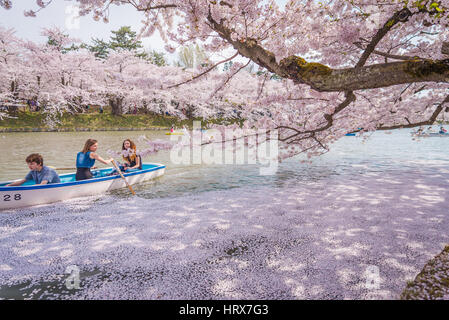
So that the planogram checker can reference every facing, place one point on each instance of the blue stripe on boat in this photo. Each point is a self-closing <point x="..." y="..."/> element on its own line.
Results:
<point x="93" y="180"/>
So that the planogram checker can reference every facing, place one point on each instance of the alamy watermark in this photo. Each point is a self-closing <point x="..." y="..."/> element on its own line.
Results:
<point x="73" y="280"/>
<point x="72" y="20"/>
<point x="231" y="146"/>
<point x="372" y="275"/>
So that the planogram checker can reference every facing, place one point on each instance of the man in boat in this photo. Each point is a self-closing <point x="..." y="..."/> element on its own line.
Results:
<point x="442" y="130"/>
<point x="39" y="173"/>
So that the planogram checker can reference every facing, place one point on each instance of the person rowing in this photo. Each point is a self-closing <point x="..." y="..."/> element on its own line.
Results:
<point x="85" y="160"/>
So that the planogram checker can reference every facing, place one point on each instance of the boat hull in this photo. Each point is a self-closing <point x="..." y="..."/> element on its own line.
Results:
<point x="31" y="195"/>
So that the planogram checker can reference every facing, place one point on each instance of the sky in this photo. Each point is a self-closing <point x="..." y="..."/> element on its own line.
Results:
<point x="60" y="13"/>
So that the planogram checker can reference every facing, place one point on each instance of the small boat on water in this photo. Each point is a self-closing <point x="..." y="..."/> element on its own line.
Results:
<point x="350" y="134"/>
<point x="30" y="194"/>
<point x="438" y="134"/>
<point x="430" y="134"/>
<point x="174" y="133"/>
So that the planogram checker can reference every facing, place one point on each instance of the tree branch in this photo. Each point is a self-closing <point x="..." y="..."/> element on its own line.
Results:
<point x="400" y="16"/>
<point x="203" y="73"/>
<point x="430" y="121"/>
<point x="388" y="55"/>
<point x="324" y="79"/>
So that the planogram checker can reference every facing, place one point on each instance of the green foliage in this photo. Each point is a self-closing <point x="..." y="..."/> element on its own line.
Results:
<point x="157" y="58"/>
<point x="434" y="8"/>
<point x="58" y="44"/>
<point x="26" y="119"/>
<point x="100" y="48"/>
<point x="29" y="120"/>
<point x="186" y="57"/>
<point x="125" y="39"/>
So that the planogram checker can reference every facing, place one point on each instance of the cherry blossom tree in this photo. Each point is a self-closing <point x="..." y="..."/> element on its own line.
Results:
<point x="343" y="65"/>
<point x="11" y="67"/>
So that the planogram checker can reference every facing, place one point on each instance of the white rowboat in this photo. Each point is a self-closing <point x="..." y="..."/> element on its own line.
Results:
<point x="30" y="194"/>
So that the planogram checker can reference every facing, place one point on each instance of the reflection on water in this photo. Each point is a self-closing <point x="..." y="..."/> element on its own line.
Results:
<point x="349" y="156"/>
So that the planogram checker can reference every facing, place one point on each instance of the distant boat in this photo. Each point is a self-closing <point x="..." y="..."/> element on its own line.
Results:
<point x="437" y="134"/>
<point x="30" y="194"/>
<point x="350" y="134"/>
<point x="430" y="134"/>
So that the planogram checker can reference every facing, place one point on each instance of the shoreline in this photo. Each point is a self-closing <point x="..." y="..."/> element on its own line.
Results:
<point x="8" y="130"/>
<point x="25" y="121"/>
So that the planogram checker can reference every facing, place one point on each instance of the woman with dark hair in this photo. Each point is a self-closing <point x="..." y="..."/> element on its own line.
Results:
<point x="130" y="156"/>
<point x="85" y="160"/>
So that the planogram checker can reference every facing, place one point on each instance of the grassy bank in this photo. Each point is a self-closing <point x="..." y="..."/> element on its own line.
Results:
<point x="31" y="120"/>
<point x="96" y="121"/>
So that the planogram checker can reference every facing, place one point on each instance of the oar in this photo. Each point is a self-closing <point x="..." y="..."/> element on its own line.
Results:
<point x="54" y="168"/>
<point x="123" y="177"/>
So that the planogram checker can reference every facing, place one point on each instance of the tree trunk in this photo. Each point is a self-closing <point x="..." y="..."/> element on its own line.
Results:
<point x="14" y="90"/>
<point x="445" y="48"/>
<point x="116" y="104"/>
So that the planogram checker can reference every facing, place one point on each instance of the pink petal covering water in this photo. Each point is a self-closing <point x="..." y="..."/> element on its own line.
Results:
<point x="313" y="240"/>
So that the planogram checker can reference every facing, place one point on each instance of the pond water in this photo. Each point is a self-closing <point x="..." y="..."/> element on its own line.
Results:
<point x="381" y="151"/>
<point x="349" y="159"/>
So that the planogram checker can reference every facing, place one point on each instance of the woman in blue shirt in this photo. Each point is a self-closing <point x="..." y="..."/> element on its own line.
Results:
<point x="86" y="160"/>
